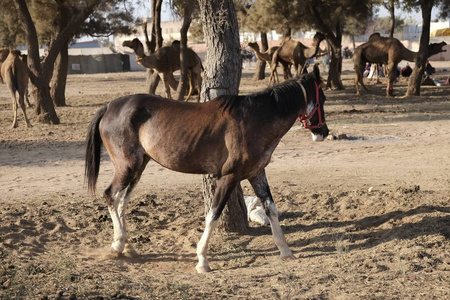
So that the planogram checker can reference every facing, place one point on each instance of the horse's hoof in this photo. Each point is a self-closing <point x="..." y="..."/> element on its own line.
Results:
<point x="117" y="247"/>
<point x="203" y="269"/>
<point x="129" y="251"/>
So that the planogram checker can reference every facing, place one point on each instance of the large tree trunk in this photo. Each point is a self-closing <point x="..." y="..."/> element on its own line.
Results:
<point x="59" y="79"/>
<point x="419" y="68"/>
<point x="222" y="76"/>
<point x="182" y="85"/>
<point x="260" y="72"/>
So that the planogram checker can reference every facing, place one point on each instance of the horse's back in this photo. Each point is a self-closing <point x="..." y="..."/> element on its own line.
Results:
<point x="173" y="133"/>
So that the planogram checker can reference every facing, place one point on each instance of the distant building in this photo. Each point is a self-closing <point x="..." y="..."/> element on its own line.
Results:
<point x="170" y="31"/>
<point x="89" y="48"/>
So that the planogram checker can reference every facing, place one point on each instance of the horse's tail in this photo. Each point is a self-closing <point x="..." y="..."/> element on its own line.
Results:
<point x="93" y="151"/>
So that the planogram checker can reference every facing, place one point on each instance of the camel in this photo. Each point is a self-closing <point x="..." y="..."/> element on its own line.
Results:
<point x="165" y="61"/>
<point x="3" y="55"/>
<point x="15" y="74"/>
<point x="295" y="53"/>
<point x="267" y="57"/>
<point x="388" y="51"/>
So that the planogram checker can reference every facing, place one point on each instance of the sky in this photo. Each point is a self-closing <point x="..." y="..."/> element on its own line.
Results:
<point x="415" y="16"/>
<point x="143" y="11"/>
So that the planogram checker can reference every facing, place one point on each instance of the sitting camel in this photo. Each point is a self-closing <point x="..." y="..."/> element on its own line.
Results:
<point x="295" y="53"/>
<point x="15" y="74"/>
<point x="267" y="57"/>
<point x="388" y="51"/>
<point x="165" y="61"/>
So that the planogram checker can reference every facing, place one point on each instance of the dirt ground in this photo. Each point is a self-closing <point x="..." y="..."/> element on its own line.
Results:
<point x="366" y="215"/>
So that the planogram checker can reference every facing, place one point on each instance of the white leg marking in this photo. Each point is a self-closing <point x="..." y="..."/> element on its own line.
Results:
<point x="202" y="246"/>
<point x="317" y="137"/>
<point x="277" y="232"/>
<point x="118" y="245"/>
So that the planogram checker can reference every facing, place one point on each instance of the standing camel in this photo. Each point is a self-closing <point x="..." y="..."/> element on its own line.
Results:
<point x="3" y="55"/>
<point x="267" y="57"/>
<point x="295" y="53"/>
<point x="387" y="51"/>
<point x="165" y="61"/>
<point x="15" y="74"/>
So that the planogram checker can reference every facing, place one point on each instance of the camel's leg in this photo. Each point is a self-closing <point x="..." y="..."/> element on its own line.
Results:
<point x="359" y="78"/>
<point x="225" y="186"/>
<point x="27" y="98"/>
<point x="172" y="82"/>
<point x="262" y="191"/>
<point x="378" y="73"/>
<point x="286" y="71"/>
<point x="14" y="105"/>
<point x="391" y="78"/>
<point x="191" y="83"/>
<point x="166" y="80"/>
<point x="273" y="79"/>
<point x="22" y="106"/>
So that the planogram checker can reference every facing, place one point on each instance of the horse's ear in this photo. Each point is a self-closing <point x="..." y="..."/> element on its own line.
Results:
<point x="316" y="71"/>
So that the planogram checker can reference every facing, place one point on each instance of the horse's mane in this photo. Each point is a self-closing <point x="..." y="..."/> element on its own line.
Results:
<point x="287" y="97"/>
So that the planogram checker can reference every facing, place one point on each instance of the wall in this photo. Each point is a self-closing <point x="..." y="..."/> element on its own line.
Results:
<point x="101" y="63"/>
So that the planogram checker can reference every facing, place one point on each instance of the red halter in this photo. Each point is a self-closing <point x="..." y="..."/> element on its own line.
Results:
<point x="304" y="118"/>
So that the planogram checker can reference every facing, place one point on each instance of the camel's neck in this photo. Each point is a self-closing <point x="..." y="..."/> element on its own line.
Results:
<point x="409" y="55"/>
<point x="311" y="52"/>
<point x="139" y="52"/>
<point x="145" y="61"/>
<point x="262" y="55"/>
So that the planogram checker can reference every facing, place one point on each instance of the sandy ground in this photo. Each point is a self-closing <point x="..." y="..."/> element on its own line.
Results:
<point x="367" y="215"/>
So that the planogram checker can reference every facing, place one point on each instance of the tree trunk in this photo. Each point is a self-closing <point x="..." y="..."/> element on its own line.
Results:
<point x="334" y="39"/>
<point x="419" y="67"/>
<point x="182" y="85"/>
<point x="41" y="74"/>
<point x="154" y="43"/>
<point x="59" y="79"/>
<point x="223" y="58"/>
<point x="156" y="20"/>
<point x="39" y="78"/>
<point x="392" y="18"/>
<point x="334" y="74"/>
<point x="260" y="72"/>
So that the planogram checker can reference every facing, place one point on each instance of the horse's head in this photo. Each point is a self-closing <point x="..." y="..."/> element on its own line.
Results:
<point x="313" y="117"/>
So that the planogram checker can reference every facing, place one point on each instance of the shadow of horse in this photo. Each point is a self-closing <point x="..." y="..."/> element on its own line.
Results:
<point x="364" y="233"/>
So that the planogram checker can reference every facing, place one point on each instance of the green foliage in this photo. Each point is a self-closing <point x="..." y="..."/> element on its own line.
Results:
<point x="384" y="24"/>
<point x="111" y="17"/>
<point x="50" y="17"/>
<point x="266" y="15"/>
<point x="11" y="31"/>
<point x="441" y="6"/>
<point x="280" y="15"/>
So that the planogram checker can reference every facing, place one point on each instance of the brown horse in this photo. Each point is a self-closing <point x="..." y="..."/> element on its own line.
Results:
<point x="231" y="137"/>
